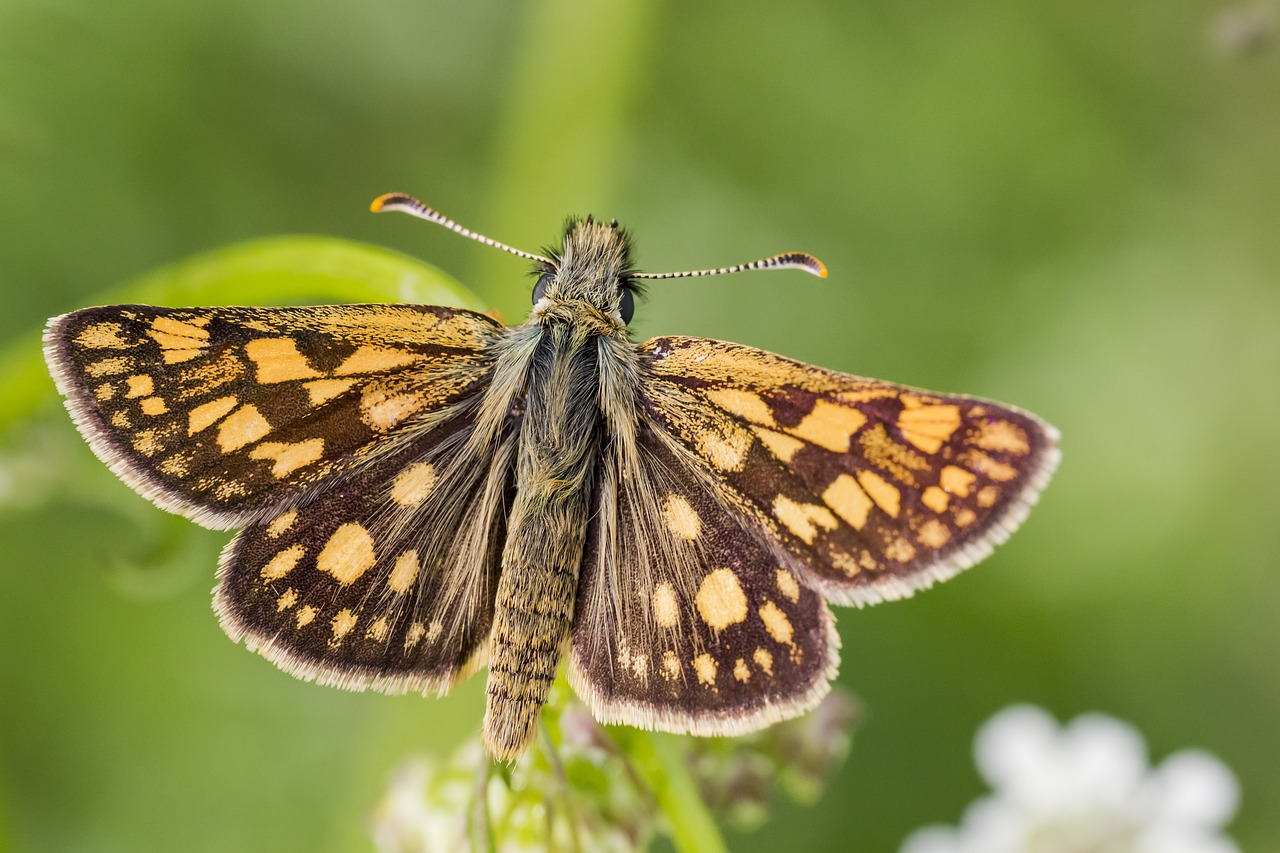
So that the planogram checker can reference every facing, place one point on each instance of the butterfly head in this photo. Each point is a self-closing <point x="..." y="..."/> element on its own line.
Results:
<point x="590" y="275"/>
<point x="592" y="268"/>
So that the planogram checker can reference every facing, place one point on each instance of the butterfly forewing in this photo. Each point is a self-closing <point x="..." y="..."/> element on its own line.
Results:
<point x="874" y="489"/>
<point x="225" y="414"/>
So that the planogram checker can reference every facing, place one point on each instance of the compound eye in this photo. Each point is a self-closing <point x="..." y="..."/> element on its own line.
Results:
<point x="540" y="289"/>
<point x="626" y="305"/>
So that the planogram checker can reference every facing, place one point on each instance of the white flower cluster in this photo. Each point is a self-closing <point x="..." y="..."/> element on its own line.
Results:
<point x="1086" y="788"/>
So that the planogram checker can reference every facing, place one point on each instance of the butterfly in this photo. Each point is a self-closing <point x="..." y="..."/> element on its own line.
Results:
<point x="421" y="491"/>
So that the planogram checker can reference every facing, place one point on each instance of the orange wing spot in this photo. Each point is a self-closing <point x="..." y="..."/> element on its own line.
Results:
<point x="783" y="447"/>
<point x="103" y="336"/>
<point x="278" y="360"/>
<point x="281" y="523"/>
<point x="829" y="425"/>
<point x="286" y="600"/>
<point x="957" y="481"/>
<point x="324" y="390"/>
<point x="880" y="490"/>
<point x="207" y="414"/>
<point x="243" y="426"/>
<point x="927" y="426"/>
<point x="371" y="359"/>
<point x="801" y="518"/>
<point x="725" y="447"/>
<point x="190" y="329"/>
<point x="987" y="495"/>
<point x="900" y="550"/>
<point x="848" y="501"/>
<point x="788" y="585"/>
<point x="1003" y="437"/>
<point x="745" y="404"/>
<point x="140" y="386"/>
<point x="289" y="457"/>
<point x="153" y="406"/>
<point x="935" y="499"/>
<point x="933" y="534"/>
<point x="764" y="660"/>
<point x="984" y="464"/>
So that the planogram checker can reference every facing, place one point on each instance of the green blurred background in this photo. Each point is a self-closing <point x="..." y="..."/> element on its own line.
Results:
<point x="1071" y="206"/>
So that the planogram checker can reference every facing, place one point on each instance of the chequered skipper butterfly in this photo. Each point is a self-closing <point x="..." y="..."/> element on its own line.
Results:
<point x="423" y="490"/>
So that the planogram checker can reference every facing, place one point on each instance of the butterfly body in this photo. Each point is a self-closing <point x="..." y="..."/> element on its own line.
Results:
<point x="421" y="490"/>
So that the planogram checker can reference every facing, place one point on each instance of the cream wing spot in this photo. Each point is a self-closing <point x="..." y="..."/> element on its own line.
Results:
<point x="348" y="554"/>
<point x="721" y="601"/>
<point x="404" y="573"/>
<point x="286" y="600"/>
<point x="342" y="624"/>
<point x="306" y="615"/>
<point x="788" y="585"/>
<point x="281" y="523"/>
<point x="377" y="630"/>
<point x="705" y="667"/>
<point x="927" y="426"/>
<point x="282" y="563"/>
<point x="414" y="635"/>
<point x="764" y="660"/>
<point x="741" y="671"/>
<point x="153" y="406"/>
<point x="371" y="359"/>
<point x="665" y="610"/>
<point x="414" y="484"/>
<point x="776" y="623"/>
<point x="933" y="534"/>
<point x="726" y="447"/>
<point x="671" y="669"/>
<point x="681" y="518"/>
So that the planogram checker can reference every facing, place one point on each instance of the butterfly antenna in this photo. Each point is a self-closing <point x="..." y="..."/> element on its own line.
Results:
<point x="787" y="260"/>
<point x="413" y="207"/>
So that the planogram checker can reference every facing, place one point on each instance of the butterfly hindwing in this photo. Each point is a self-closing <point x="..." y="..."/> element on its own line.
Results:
<point x="228" y="414"/>
<point x="686" y="621"/>
<point x="386" y="580"/>
<point x="874" y="489"/>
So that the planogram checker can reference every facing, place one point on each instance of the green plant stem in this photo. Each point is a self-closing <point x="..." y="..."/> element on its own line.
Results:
<point x="658" y="760"/>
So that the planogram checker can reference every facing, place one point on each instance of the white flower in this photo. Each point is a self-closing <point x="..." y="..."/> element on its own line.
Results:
<point x="1086" y="788"/>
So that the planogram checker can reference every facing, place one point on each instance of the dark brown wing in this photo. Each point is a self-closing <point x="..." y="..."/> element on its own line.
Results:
<point x="228" y="414"/>
<point x="874" y="490"/>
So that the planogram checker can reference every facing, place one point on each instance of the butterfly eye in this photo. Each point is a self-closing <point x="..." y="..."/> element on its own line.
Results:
<point x="540" y="289"/>
<point x="626" y="304"/>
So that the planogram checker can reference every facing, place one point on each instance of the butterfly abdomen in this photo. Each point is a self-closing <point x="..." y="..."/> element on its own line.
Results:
<point x="559" y="443"/>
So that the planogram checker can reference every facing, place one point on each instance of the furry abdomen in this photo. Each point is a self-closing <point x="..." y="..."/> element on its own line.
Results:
<point x="559" y="444"/>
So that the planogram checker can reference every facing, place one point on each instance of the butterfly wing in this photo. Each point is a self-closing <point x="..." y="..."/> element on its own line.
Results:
<point x="227" y="415"/>
<point x="343" y="440"/>
<point x="686" y="620"/>
<point x="874" y="490"/>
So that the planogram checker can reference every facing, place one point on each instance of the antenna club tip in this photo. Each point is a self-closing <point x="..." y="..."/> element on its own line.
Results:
<point x="385" y="199"/>
<point x="821" y="268"/>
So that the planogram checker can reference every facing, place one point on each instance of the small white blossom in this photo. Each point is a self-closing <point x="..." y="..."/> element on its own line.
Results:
<point x="1086" y="788"/>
